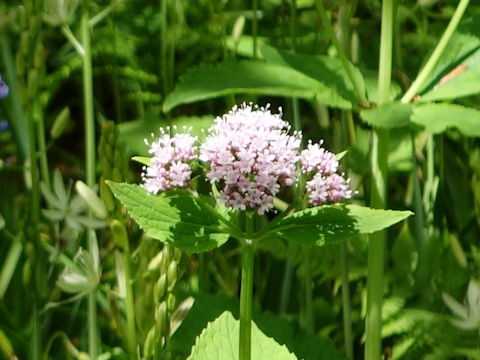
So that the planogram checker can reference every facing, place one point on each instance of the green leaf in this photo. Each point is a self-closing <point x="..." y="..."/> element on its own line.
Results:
<point x="219" y="341"/>
<point x="252" y="77"/>
<point x="387" y="116"/>
<point x="178" y="218"/>
<point x="327" y="70"/>
<point x="458" y="72"/>
<point x="329" y="224"/>
<point x="437" y="118"/>
<point x="207" y="307"/>
<point x="144" y="160"/>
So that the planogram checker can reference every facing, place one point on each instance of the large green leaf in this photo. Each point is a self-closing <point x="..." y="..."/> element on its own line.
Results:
<point x="388" y="116"/>
<point x="329" y="71"/>
<point x="219" y="341"/>
<point x="437" y="118"/>
<point x="208" y="307"/>
<point x="458" y="72"/>
<point x="251" y="77"/>
<point x="329" y="224"/>
<point x="178" y="218"/>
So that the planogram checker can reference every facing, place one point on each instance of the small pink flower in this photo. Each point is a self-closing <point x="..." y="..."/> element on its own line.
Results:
<point x="326" y="185"/>
<point x="315" y="158"/>
<point x="330" y="188"/>
<point x="251" y="155"/>
<point x="169" y="165"/>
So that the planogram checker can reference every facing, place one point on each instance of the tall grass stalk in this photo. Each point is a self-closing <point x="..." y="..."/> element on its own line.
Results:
<point x="164" y="45"/>
<point x="427" y="70"/>
<point x="378" y="199"/>
<point x="89" y="119"/>
<point x="255" y="27"/>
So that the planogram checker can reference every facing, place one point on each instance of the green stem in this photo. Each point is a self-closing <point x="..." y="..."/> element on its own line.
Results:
<point x="9" y="265"/>
<point x="73" y="40"/>
<point x="308" y="315"/>
<point x="347" y="308"/>
<point x="437" y="53"/>
<point x="19" y="122"/>
<point x="129" y="303"/>
<point x="42" y="148"/>
<point x="90" y="160"/>
<point x="361" y="97"/>
<point x="35" y="203"/>
<point x="255" y="27"/>
<point x="246" y="292"/>
<point x="163" y="47"/>
<point x="380" y="140"/>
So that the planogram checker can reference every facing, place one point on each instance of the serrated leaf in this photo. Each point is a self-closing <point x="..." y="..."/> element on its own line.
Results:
<point x="180" y="219"/>
<point x="330" y="224"/>
<point x="219" y="341"/>
<point x="388" y="116"/>
<point x="437" y="118"/>
<point x="251" y="77"/>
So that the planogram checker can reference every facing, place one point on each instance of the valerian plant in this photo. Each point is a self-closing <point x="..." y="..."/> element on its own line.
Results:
<point x="248" y="157"/>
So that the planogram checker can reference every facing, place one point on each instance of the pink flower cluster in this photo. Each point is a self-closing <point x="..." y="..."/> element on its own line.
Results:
<point x="169" y="166"/>
<point x="326" y="185"/>
<point x="251" y="155"/>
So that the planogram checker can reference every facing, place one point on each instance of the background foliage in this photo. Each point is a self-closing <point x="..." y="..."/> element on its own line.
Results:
<point x="183" y="63"/>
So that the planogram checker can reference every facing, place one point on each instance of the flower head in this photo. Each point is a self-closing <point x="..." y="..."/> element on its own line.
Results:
<point x="251" y="155"/>
<point x="325" y="185"/>
<point x="331" y="188"/>
<point x="169" y="166"/>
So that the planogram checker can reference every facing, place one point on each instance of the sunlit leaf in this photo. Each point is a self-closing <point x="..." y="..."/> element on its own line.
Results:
<point x="329" y="224"/>
<point x="219" y="341"/>
<point x="180" y="219"/>
<point x="388" y="116"/>
<point x="437" y="118"/>
<point x="252" y="77"/>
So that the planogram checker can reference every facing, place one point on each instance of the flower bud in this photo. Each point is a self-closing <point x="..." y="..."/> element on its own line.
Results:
<point x="107" y="197"/>
<point x="60" y="124"/>
<point x="155" y="263"/>
<point x="27" y="274"/>
<point x="92" y="200"/>
<point x="160" y="287"/>
<point x="150" y="342"/>
<point x="171" y="302"/>
<point x="161" y="318"/>
<point x="172" y="275"/>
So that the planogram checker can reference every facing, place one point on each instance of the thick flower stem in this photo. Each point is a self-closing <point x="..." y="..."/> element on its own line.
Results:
<point x="90" y="160"/>
<point x="246" y="292"/>
<point x="380" y="140"/>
